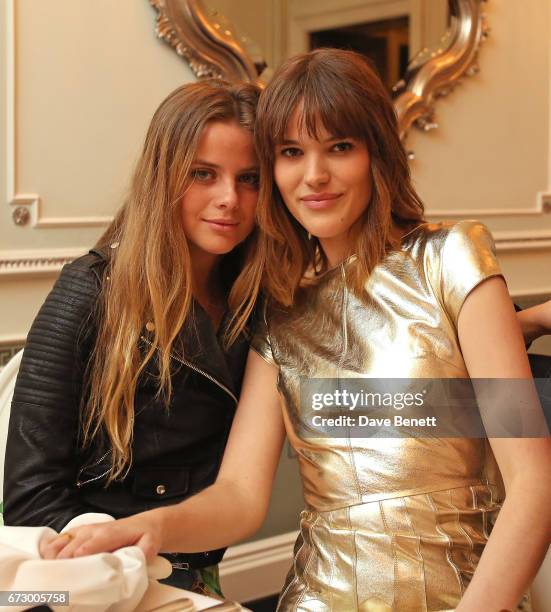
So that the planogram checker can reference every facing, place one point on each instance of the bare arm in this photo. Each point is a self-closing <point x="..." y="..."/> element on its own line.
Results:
<point x="492" y="346"/>
<point x="236" y="505"/>
<point x="226" y="512"/>
<point x="535" y="321"/>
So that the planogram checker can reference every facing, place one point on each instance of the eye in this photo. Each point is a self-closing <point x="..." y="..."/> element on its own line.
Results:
<point x="250" y="178"/>
<point x="341" y="147"/>
<point x="202" y="174"/>
<point x="290" y="152"/>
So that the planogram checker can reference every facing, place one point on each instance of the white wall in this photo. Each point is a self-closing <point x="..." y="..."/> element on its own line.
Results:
<point x="81" y="81"/>
<point x="490" y="158"/>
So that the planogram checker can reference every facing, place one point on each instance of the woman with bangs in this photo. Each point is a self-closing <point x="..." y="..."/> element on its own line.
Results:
<point x="357" y="284"/>
<point x="132" y="368"/>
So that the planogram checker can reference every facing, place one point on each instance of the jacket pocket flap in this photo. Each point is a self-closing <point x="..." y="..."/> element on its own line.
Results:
<point x="161" y="482"/>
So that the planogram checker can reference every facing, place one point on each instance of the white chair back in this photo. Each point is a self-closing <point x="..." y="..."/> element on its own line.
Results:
<point x="7" y="384"/>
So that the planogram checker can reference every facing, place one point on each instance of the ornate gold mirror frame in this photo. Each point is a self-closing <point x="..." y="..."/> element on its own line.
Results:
<point x="212" y="49"/>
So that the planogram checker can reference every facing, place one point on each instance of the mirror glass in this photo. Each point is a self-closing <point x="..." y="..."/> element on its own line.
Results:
<point x="390" y="36"/>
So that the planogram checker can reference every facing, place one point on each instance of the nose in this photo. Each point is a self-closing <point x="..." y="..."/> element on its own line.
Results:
<point x="316" y="172"/>
<point x="227" y="198"/>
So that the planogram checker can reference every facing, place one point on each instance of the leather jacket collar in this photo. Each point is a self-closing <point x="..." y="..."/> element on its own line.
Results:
<point x="198" y="346"/>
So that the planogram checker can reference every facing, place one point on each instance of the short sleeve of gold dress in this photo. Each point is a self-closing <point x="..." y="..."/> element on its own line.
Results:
<point x="391" y="524"/>
<point x="261" y="342"/>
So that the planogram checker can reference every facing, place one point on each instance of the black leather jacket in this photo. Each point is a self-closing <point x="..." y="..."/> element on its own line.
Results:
<point x="48" y="480"/>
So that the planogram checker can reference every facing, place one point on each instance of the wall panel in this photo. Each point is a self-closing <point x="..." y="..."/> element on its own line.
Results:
<point x="79" y="83"/>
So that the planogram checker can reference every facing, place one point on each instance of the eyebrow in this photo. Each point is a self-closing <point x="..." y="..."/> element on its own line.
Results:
<point x="330" y="139"/>
<point x="203" y="162"/>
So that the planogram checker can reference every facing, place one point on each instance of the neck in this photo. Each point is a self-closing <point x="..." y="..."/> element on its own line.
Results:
<point x="336" y="250"/>
<point x="204" y="269"/>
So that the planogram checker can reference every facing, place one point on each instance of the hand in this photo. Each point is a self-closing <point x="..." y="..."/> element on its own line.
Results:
<point x="142" y="530"/>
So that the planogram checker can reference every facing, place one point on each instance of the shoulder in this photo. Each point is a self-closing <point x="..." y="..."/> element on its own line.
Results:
<point x="460" y="244"/>
<point x="439" y="239"/>
<point x="80" y="281"/>
<point x="468" y="231"/>
<point x="94" y="261"/>
<point x="457" y="258"/>
<point x="437" y="234"/>
<point x="68" y="309"/>
<point x="89" y="267"/>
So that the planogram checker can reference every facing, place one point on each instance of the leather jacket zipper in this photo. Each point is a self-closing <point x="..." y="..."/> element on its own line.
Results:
<point x="198" y="370"/>
<point x="79" y="483"/>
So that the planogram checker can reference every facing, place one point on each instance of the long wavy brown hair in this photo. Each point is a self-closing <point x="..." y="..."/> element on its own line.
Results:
<point x="149" y="277"/>
<point x="341" y="91"/>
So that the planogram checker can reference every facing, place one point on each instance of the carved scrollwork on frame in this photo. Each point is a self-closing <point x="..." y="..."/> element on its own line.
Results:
<point x="212" y="49"/>
<point x="436" y="71"/>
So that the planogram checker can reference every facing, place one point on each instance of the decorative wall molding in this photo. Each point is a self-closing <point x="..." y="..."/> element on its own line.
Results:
<point x="39" y="221"/>
<point x="49" y="262"/>
<point x="7" y="351"/>
<point x="8" y="340"/>
<point x="257" y="569"/>
<point x="30" y="201"/>
<point x="36" y="262"/>
<point x="509" y="240"/>
<point x="522" y="240"/>
<point x="476" y="213"/>
<point x="531" y="297"/>
<point x="542" y="207"/>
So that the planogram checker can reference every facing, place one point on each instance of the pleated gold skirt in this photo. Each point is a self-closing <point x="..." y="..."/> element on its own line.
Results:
<point x="407" y="554"/>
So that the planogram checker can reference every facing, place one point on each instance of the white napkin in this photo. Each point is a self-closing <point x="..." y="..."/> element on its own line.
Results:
<point x="110" y="582"/>
<point x="106" y="582"/>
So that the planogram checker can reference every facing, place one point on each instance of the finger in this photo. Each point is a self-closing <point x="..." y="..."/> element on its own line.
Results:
<point x="50" y="549"/>
<point x="75" y="541"/>
<point x="45" y="541"/>
<point x="148" y="547"/>
<point x="106" y="539"/>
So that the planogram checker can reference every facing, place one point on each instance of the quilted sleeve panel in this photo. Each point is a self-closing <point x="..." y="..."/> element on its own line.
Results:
<point x="42" y="448"/>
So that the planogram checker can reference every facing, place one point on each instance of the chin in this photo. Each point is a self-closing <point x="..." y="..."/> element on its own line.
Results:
<point x="324" y="232"/>
<point x="220" y="248"/>
<point x="321" y="226"/>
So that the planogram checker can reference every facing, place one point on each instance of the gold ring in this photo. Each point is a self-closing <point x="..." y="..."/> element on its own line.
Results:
<point x="68" y="535"/>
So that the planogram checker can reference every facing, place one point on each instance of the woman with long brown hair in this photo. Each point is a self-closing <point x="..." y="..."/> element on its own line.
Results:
<point x="357" y="284"/>
<point x="132" y="368"/>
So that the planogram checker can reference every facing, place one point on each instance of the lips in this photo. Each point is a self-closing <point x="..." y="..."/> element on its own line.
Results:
<point x="222" y="225"/>
<point x="317" y="201"/>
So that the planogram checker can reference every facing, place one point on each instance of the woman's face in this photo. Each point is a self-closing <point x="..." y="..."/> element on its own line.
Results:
<point x="325" y="183"/>
<point x="218" y="208"/>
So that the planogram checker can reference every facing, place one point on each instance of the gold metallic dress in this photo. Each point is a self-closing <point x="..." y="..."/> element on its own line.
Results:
<point x="394" y="524"/>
